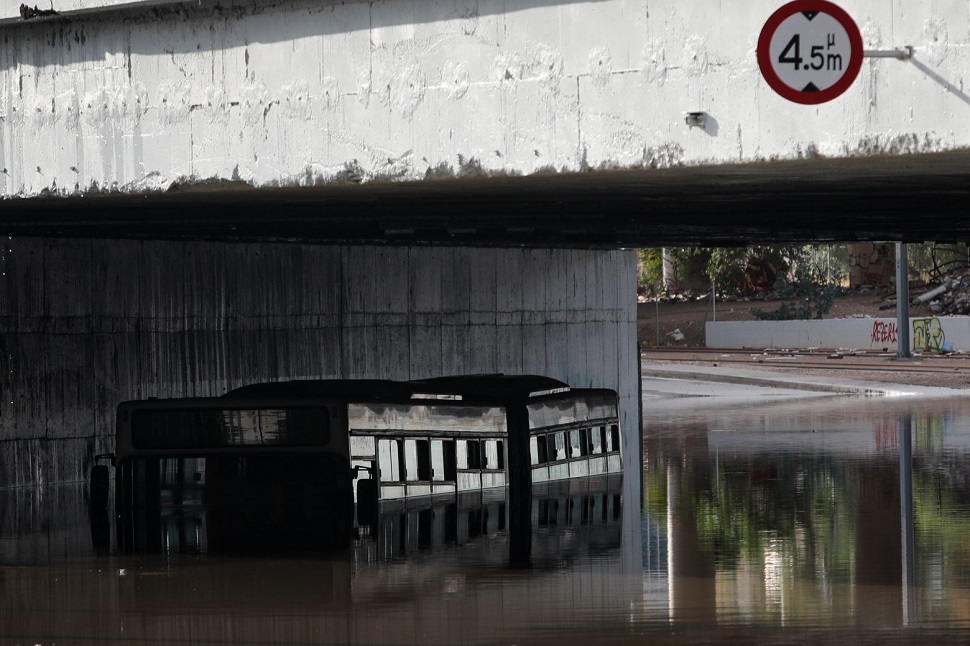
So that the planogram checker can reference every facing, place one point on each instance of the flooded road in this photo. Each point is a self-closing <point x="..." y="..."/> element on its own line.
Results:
<point x="769" y="518"/>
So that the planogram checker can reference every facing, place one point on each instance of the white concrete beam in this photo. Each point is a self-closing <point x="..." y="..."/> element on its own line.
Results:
<point x="298" y="92"/>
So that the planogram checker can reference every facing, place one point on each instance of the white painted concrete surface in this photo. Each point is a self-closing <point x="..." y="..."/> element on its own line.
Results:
<point x="297" y="91"/>
<point x="926" y="333"/>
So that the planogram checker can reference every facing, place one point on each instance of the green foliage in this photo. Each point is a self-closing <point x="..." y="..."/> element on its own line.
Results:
<point x="650" y="279"/>
<point x="803" y="298"/>
<point x="725" y="267"/>
<point x="828" y="263"/>
<point x="692" y="263"/>
<point x="698" y="267"/>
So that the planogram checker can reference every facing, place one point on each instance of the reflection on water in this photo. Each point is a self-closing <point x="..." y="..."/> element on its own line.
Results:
<point x="768" y="523"/>
<point x="436" y="571"/>
<point x="790" y="516"/>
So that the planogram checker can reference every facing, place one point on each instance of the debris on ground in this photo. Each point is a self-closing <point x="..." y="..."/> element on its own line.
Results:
<point x="676" y="335"/>
<point x="950" y="297"/>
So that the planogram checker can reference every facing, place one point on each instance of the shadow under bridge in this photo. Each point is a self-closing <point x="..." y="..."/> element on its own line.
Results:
<point x="888" y="198"/>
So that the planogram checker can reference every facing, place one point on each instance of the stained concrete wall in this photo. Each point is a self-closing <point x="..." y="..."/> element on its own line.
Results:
<point x="930" y="333"/>
<point x="86" y="324"/>
<point x="301" y="91"/>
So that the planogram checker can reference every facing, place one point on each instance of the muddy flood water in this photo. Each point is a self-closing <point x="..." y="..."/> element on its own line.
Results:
<point x="773" y="520"/>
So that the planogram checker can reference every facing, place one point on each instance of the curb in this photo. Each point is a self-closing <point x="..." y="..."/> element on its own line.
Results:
<point x="700" y="375"/>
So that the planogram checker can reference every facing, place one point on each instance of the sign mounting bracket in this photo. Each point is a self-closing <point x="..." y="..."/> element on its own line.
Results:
<point x="902" y="53"/>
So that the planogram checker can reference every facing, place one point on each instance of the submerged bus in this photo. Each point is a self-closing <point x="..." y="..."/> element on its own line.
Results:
<point x="314" y="452"/>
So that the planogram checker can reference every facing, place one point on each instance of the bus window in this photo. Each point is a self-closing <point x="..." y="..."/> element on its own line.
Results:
<point x="461" y="453"/>
<point x="361" y="446"/>
<point x="539" y="449"/>
<point x="437" y="461"/>
<point x="493" y="449"/>
<point x="208" y="428"/>
<point x="410" y="461"/>
<point x="390" y="463"/>
<point x="577" y="444"/>
<point x="443" y="465"/>
<point x="424" y="460"/>
<point x="451" y="466"/>
<point x="596" y="440"/>
<point x="613" y="439"/>
<point x="414" y="461"/>
<point x="558" y="448"/>
<point x="474" y="454"/>
<point x="501" y="454"/>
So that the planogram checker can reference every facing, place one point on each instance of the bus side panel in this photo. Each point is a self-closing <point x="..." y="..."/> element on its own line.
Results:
<point x="469" y="480"/>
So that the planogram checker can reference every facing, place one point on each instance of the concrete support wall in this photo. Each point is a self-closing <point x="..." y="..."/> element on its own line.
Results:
<point x="86" y="324"/>
<point x="301" y="91"/>
<point x="930" y="334"/>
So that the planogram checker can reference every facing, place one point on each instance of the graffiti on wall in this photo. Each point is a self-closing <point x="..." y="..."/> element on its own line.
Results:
<point x="928" y="334"/>
<point x="871" y="263"/>
<point x="883" y="332"/>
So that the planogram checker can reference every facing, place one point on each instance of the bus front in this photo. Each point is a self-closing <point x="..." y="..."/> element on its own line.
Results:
<point x="211" y="474"/>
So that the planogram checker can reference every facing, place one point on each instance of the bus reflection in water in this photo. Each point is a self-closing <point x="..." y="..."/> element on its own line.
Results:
<point x="567" y="519"/>
<point x="401" y="466"/>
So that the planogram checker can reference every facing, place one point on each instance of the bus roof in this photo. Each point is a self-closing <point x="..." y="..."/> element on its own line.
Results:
<point x="471" y="387"/>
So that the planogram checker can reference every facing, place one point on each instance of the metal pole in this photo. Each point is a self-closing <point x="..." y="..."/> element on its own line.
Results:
<point x="714" y="298"/>
<point x="906" y="518"/>
<point x="657" y="319"/>
<point x="902" y="302"/>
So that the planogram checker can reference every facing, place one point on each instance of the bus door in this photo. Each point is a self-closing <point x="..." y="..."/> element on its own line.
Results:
<point x="363" y="466"/>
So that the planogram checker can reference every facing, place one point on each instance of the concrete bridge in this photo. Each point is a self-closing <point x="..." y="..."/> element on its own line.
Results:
<point x="208" y="193"/>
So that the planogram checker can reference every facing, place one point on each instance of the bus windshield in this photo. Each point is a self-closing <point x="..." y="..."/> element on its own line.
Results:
<point x="208" y="428"/>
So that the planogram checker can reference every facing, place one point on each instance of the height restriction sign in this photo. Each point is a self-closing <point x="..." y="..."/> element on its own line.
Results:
<point x="810" y="51"/>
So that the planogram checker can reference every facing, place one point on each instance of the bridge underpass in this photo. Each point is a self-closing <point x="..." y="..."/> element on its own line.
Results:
<point x="206" y="287"/>
<point x="909" y="198"/>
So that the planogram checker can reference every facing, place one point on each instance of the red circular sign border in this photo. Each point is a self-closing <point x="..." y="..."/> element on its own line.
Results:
<point x="855" y="51"/>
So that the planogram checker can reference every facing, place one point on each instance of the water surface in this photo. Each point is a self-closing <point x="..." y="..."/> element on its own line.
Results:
<point x="762" y="520"/>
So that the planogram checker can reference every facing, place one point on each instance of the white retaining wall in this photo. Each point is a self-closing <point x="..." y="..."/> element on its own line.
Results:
<point x="930" y="333"/>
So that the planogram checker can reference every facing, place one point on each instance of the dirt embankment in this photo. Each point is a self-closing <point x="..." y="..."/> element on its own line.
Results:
<point x="657" y="323"/>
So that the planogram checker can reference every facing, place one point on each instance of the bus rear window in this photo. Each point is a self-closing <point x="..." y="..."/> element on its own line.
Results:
<point x="206" y="428"/>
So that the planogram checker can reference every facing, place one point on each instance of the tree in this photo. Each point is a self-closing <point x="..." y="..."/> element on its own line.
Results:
<point x="804" y="297"/>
